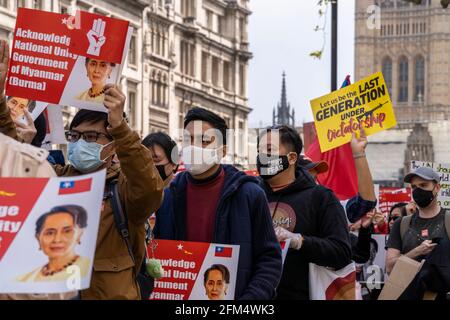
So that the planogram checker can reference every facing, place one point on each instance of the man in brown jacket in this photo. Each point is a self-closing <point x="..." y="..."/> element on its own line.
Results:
<point x="95" y="138"/>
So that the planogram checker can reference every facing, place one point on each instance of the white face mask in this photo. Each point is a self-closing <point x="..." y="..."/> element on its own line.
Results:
<point x="199" y="160"/>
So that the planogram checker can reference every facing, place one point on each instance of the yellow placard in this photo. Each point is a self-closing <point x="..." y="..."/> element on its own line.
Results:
<point x="362" y="105"/>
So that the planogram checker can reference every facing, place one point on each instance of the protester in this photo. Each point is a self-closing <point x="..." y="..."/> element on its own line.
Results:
<point x="20" y="160"/>
<point x="94" y="139"/>
<point x="397" y="211"/>
<point x="211" y="202"/>
<point x="417" y="235"/>
<point x="360" y="235"/>
<point x="302" y="211"/>
<point x="165" y="154"/>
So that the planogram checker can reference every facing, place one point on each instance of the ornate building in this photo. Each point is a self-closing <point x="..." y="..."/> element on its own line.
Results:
<point x="282" y="114"/>
<point x="411" y="49"/>
<point x="184" y="53"/>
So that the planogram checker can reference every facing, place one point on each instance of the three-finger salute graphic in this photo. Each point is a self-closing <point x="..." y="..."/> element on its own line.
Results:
<point x="96" y="37"/>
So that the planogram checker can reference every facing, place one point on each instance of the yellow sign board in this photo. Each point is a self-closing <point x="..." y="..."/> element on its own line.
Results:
<point x="363" y="105"/>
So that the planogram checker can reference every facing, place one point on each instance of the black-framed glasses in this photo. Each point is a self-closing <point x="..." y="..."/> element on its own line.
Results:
<point x="88" y="136"/>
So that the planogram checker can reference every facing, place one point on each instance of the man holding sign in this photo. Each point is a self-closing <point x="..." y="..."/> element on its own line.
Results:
<point x="95" y="138"/>
<point x="217" y="203"/>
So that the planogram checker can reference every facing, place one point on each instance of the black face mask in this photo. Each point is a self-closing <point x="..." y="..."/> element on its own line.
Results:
<point x="162" y="171"/>
<point x="423" y="198"/>
<point x="272" y="167"/>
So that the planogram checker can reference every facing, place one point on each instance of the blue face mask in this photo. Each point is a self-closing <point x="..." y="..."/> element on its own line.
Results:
<point x="85" y="156"/>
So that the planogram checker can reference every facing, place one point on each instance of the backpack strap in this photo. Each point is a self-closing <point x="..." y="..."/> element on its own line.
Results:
<point x="447" y="222"/>
<point x="404" y="225"/>
<point x="119" y="215"/>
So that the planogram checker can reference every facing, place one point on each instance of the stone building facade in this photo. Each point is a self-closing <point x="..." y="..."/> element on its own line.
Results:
<point x="411" y="48"/>
<point x="183" y="53"/>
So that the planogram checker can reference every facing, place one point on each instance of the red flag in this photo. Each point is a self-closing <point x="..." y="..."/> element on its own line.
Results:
<point x="225" y="252"/>
<point x="341" y="176"/>
<point x="75" y="186"/>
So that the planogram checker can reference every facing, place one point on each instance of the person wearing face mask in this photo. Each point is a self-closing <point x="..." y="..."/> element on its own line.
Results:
<point x="215" y="203"/>
<point x="306" y="213"/>
<point x="417" y="235"/>
<point x="96" y="139"/>
<point x="165" y="154"/>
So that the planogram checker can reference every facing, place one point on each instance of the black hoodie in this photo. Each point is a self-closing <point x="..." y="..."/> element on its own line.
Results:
<point x="313" y="211"/>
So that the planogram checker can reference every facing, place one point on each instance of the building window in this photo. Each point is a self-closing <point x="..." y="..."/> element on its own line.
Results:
<point x="226" y="76"/>
<point x="220" y="25"/>
<point x="209" y="19"/>
<point x="188" y="8"/>
<point x="159" y="89"/>
<point x="387" y="73"/>
<point x="132" y="103"/>
<point x="215" y="71"/>
<point x="419" y="79"/>
<point x="403" y="80"/>
<point x="242" y="31"/>
<point x="132" y="53"/>
<point x="187" y="60"/>
<point x="241" y="139"/>
<point x="242" y="77"/>
<point x="37" y="4"/>
<point x="20" y="4"/>
<point x="205" y="63"/>
<point x="64" y="9"/>
<point x="4" y="3"/>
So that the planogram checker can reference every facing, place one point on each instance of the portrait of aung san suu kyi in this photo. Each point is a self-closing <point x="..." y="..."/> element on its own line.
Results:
<point x="58" y="233"/>
<point x="98" y="72"/>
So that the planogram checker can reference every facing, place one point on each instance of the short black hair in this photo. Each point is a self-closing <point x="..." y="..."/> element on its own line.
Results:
<point x="213" y="119"/>
<point x="288" y="137"/>
<point x="41" y="130"/>
<point x="79" y="215"/>
<point x="90" y="117"/>
<point x="399" y="205"/>
<point x="219" y="267"/>
<point x="165" y="142"/>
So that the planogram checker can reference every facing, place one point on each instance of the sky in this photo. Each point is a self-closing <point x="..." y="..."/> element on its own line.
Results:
<point x="281" y="38"/>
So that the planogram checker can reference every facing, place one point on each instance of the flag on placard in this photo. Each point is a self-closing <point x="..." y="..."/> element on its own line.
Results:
<point x="225" y="252"/>
<point x="75" y="186"/>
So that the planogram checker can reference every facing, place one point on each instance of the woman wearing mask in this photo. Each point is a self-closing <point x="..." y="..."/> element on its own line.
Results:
<point x="165" y="157"/>
<point x="165" y="154"/>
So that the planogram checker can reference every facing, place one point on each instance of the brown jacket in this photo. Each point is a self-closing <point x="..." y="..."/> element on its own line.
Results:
<point x="141" y="189"/>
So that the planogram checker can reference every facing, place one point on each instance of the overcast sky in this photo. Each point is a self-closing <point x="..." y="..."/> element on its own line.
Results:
<point x="281" y="35"/>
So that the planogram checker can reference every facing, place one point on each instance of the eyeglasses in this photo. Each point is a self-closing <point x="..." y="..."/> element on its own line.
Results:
<point x="88" y="136"/>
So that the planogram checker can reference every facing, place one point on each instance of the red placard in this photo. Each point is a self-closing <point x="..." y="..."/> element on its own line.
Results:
<point x="391" y="196"/>
<point x="40" y="62"/>
<point x="15" y="206"/>
<point x="99" y="37"/>
<point x="49" y="57"/>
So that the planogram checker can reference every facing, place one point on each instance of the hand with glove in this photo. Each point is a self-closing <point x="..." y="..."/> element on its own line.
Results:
<point x="296" y="238"/>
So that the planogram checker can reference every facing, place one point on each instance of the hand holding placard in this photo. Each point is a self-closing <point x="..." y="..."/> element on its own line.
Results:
<point x="359" y="144"/>
<point x="115" y="103"/>
<point x="4" y="59"/>
<point x="96" y="37"/>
